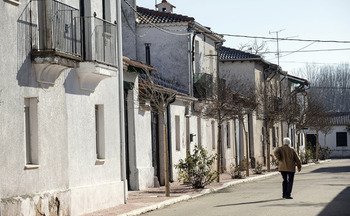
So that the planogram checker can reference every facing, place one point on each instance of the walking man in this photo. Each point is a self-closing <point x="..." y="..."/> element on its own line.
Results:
<point x="288" y="159"/>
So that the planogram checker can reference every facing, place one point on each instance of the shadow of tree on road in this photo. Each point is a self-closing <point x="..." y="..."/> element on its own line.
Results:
<point x="248" y="203"/>
<point x="332" y="169"/>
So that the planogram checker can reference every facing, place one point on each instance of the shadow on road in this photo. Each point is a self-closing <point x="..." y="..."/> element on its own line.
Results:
<point x="332" y="169"/>
<point x="248" y="203"/>
<point x="339" y="206"/>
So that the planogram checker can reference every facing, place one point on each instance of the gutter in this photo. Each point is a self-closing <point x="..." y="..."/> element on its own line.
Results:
<point x="209" y="33"/>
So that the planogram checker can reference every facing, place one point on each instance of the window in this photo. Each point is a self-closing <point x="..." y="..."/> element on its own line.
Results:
<point x="148" y="53"/>
<point x="213" y="134"/>
<point x="100" y="136"/>
<point x="199" y="131"/>
<point x="196" y="57"/>
<point x="14" y="2"/>
<point x="211" y="62"/>
<point x="273" y="136"/>
<point x="177" y="132"/>
<point x="342" y="139"/>
<point x="31" y="130"/>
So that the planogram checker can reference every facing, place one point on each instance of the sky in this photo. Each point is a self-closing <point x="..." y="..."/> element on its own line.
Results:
<point x="323" y="20"/>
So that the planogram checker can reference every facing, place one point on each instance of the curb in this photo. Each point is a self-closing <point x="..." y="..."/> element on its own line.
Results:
<point x="188" y="197"/>
<point x="206" y="191"/>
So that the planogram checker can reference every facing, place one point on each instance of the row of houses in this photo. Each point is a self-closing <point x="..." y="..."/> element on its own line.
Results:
<point x="75" y="134"/>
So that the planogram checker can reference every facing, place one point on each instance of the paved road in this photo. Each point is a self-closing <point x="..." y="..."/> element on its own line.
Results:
<point x="322" y="189"/>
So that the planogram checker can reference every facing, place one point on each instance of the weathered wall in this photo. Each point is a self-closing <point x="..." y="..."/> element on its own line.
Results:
<point x="67" y="179"/>
<point x="331" y="142"/>
<point x="169" y="53"/>
<point x="18" y="82"/>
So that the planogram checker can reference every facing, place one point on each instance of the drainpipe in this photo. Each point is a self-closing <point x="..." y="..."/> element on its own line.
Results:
<point x="191" y="57"/>
<point x="121" y="98"/>
<point x="282" y="134"/>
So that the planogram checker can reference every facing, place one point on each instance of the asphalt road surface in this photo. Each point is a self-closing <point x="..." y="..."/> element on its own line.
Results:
<point x="321" y="189"/>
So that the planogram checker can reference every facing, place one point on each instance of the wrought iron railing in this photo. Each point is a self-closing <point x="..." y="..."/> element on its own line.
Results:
<point x="100" y="40"/>
<point x="203" y="85"/>
<point x="66" y="29"/>
<point x="54" y="27"/>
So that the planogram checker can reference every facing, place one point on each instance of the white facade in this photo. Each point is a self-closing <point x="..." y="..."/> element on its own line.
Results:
<point x="338" y="151"/>
<point x="49" y="120"/>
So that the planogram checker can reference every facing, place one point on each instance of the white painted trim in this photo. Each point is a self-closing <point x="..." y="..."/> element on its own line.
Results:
<point x="15" y="2"/>
<point x="31" y="166"/>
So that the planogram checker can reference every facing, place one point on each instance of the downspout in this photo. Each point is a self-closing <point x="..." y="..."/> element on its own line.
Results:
<point x="281" y="119"/>
<point x="191" y="57"/>
<point x="121" y="99"/>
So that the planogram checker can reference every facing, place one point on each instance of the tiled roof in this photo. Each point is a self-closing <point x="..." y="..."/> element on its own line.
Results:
<point x="153" y="16"/>
<point x="233" y="54"/>
<point x="342" y="118"/>
<point x="298" y="80"/>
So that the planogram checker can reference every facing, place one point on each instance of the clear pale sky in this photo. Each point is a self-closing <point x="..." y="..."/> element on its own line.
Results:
<point x="298" y="19"/>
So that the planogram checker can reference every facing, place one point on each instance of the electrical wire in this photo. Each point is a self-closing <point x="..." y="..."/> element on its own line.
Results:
<point x="155" y="26"/>
<point x="286" y="39"/>
<point x="294" y="51"/>
<point x="318" y="50"/>
<point x="130" y="27"/>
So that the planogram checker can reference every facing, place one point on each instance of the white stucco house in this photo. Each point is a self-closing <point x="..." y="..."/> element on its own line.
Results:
<point x="184" y="52"/>
<point x="337" y="139"/>
<point x="253" y="72"/>
<point x="62" y="136"/>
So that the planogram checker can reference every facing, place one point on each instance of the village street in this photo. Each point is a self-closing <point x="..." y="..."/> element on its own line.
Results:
<point x="323" y="189"/>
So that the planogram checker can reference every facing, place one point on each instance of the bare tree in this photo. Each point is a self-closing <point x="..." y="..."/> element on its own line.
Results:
<point x="270" y="107"/>
<point x="331" y="84"/>
<point x="151" y="89"/>
<point x="219" y="108"/>
<point x="255" y="47"/>
<point x="316" y="118"/>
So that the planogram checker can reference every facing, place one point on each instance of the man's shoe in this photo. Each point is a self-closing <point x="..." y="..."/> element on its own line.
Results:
<point x="288" y="197"/>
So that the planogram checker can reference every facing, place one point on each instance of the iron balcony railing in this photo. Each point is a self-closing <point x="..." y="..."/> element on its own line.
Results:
<point x="100" y="40"/>
<point x="59" y="28"/>
<point x="203" y="85"/>
<point x="66" y="28"/>
<point x="54" y="27"/>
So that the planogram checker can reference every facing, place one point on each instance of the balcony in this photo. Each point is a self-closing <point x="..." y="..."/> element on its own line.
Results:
<point x="203" y="85"/>
<point x="100" y="52"/>
<point x="61" y="39"/>
<point x="56" y="39"/>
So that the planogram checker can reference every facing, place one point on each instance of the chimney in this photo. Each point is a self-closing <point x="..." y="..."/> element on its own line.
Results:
<point x="165" y="6"/>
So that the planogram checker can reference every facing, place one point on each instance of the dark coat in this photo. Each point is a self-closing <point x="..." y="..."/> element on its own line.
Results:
<point x="287" y="158"/>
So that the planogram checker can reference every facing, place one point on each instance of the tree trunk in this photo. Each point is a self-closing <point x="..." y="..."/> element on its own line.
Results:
<point x="298" y="143"/>
<point x="247" y="153"/>
<point x="236" y="149"/>
<point x="316" y="146"/>
<point x="219" y="153"/>
<point x="268" y="149"/>
<point x="166" y="163"/>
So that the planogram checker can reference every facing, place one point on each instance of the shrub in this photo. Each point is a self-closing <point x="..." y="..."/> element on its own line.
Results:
<point x="236" y="172"/>
<point x="305" y="156"/>
<point x="324" y="152"/>
<point x="274" y="161"/>
<point x="196" y="169"/>
<point x="258" y="168"/>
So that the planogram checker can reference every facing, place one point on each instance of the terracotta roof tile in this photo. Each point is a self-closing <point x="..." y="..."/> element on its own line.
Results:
<point x="153" y="16"/>
<point x="233" y="54"/>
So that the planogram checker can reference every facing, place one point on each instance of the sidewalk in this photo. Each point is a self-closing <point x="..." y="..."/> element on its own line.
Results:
<point x="154" y="198"/>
